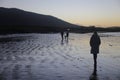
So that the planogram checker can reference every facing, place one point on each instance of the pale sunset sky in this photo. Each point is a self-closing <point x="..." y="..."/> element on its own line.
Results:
<point x="82" y="12"/>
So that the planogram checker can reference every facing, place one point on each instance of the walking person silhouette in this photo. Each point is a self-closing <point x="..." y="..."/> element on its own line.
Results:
<point x="62" y="36"/>
<point x="95" y="43"/>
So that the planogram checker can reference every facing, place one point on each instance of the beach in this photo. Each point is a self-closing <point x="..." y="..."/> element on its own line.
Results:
<point x="36" y="56"/>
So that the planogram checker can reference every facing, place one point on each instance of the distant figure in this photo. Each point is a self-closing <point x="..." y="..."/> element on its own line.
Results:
<point x="95" y="43"/>
<point x="67" y="34"/>
<point x="62" y="36"/>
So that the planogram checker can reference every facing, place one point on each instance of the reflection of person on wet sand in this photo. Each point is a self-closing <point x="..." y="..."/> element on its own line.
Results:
<point x="93" y="77"/>
<point x="95" y="43"/>
<point x="67" y="34"/>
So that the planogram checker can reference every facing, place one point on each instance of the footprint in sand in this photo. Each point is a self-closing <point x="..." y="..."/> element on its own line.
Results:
<point x="28" y="71"/>
<point x="16" y="74"/>
<point x="59" y="76"/>
<point x="76" y="66"/>
<point x="31" y="59"/>
<point x="44" y="60"/>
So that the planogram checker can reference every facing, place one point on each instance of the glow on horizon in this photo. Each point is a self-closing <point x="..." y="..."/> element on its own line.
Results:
<point x="83" y="12"/>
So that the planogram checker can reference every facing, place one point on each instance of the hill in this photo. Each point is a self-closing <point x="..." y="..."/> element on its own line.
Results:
<point x="13" y="20"/>
<point x="16" y="20"/>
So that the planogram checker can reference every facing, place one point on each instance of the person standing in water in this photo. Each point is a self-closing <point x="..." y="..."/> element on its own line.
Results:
<point x="95" y="43"/>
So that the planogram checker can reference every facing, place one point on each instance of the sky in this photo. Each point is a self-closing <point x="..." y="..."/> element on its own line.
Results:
<point x="102" y="13"/>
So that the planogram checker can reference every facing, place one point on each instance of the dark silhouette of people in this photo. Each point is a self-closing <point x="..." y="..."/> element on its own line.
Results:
<point x="95" y="43"/>
<point x="67" y="35"/>
<point x="62" y="36"/>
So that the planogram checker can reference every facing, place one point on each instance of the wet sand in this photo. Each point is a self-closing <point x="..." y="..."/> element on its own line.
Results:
<point x="43" y="57"/>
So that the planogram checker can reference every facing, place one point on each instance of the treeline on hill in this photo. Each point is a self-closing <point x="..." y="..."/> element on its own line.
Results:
<point x="99" y="29"/>
<point x="38" y="29"/>
<point x="51" y="29"/>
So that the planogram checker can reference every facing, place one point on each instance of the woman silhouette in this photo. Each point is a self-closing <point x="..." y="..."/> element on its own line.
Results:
<point x="95" y="43"/>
